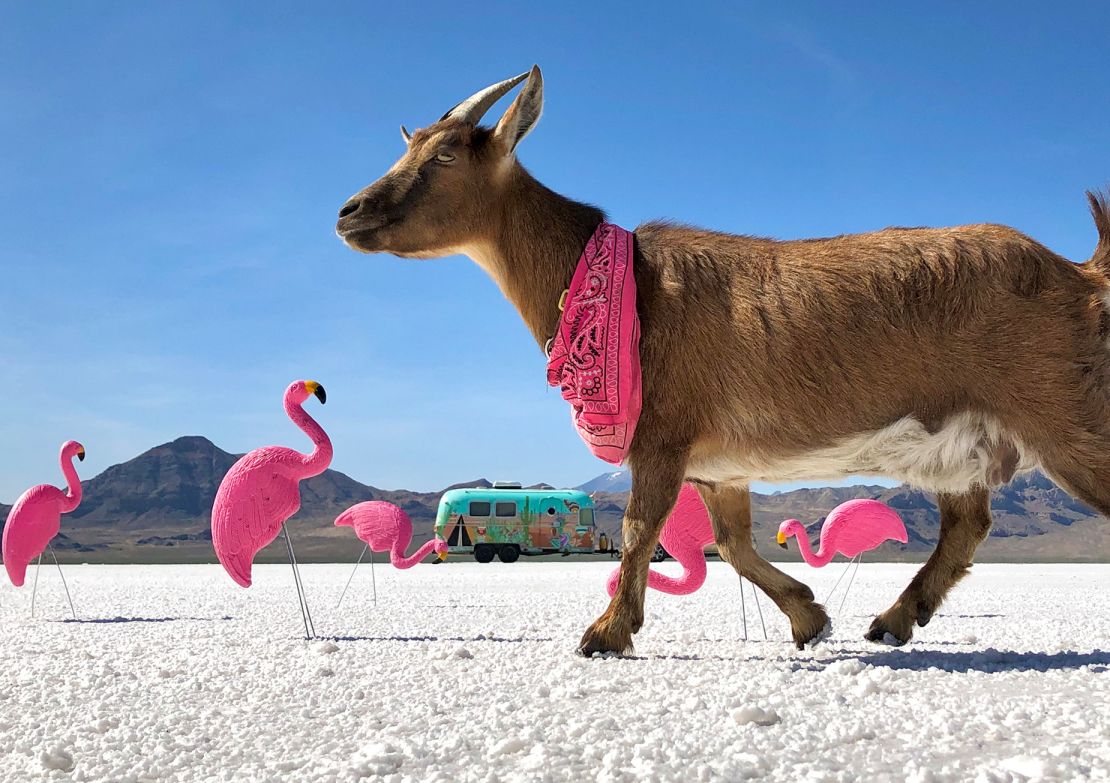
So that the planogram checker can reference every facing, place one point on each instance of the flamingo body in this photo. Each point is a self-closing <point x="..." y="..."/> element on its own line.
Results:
<point x="37" y="516"/>
<point x="685" y="535"/>
<point x="262" y="489"/>
<point x="853" y="527"/>
<point x="385" y="527"/>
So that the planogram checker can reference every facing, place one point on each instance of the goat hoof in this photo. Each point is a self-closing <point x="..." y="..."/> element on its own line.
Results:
<point x="883" y="632"/>
<point x="602" y="638"/>
<point x="812" y="626"/>
<point x="924" y="615"/>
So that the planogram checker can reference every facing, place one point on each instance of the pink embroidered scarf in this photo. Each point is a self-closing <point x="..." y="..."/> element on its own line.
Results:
<point x="595" y="354"/>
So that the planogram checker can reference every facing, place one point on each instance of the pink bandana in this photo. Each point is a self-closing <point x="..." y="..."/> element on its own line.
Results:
<point x="595" y="354"/>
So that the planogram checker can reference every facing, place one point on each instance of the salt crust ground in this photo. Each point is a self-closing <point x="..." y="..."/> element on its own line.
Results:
<point x="468" y="672"/>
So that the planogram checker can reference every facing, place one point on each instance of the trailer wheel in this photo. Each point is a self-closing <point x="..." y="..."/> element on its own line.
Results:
<point x="509" y="553"/>
<point x="484" y="553"/>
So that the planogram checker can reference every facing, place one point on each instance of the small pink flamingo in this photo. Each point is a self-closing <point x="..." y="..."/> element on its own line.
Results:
<point x="262" y="490"/>
<point x="37" y="517"/>
<point x="385" y="527"/>
<point x="850" y="529"/>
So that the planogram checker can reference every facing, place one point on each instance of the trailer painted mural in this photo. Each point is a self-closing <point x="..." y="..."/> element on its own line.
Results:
<point x="507" y="521"/>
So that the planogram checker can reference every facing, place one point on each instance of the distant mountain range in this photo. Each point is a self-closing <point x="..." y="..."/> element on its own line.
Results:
<point x="156" y="507"/>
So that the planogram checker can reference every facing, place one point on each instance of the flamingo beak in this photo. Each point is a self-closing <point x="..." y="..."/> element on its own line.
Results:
<point x="442" y="556"/>
<point x="81" y="454"/>
<point x="781" y="539"/>
<point x="314" y="388"/>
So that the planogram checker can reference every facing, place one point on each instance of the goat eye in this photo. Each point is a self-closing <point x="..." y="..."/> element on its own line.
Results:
<point x="445" y="157"/>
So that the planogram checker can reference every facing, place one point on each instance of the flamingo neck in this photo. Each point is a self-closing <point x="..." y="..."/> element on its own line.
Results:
<point x="316" y="462"/>
<point x="818" y="558"/>
<point x="73" y="482"/>
<point x="693" y="577"/>
<point x="397" y="556"/>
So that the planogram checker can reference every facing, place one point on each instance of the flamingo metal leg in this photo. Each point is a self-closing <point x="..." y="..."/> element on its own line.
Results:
<point x="755" y="595"/>
<point x="352" y="576"/>
<point x="373" y="579"/>
<point x="858" y="559"/>
<point x="743" y="610"/>
<point x="35" y="587"/>
<point x="838" y="581"/>
<point x="309" y="628"/>
<point x="63" y="576"/>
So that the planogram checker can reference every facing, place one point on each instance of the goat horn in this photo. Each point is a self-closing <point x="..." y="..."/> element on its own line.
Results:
<point x="475" y="107"/>
<point x="406" y="135"/>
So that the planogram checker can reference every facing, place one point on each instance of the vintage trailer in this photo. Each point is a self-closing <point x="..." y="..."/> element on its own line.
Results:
<point x="507" y="521"/>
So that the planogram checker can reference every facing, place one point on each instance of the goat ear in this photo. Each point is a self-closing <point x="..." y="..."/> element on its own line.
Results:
<point x="522" y="114"/>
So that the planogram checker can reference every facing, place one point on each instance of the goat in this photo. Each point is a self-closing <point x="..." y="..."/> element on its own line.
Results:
<point x="948" y="358"/>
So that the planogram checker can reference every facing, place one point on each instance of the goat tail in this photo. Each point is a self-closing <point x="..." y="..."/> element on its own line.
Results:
<point x="1100" y="211"/>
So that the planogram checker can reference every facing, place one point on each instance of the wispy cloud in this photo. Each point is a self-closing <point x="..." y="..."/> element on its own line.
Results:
<point x="803" y="41"/>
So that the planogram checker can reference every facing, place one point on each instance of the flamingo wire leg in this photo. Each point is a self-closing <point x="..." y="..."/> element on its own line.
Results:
<point x="352" y="576"/>
<point x="309" y="628"/>
<point x="755" y="595"/>
<point x="858" y="559"/>
<point x="69" y="598"/>
<point x="838" y="581"/>
<point x="373" y="579"/>
<point x="743" y="610"/>
<point x="35" y="587"/>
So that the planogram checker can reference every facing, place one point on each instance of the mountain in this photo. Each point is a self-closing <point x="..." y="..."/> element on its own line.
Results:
<point x="617" y="481"/>
<point x="157" y="506"/>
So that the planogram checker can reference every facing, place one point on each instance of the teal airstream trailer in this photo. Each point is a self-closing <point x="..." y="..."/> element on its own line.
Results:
<point x="506" y="521"/>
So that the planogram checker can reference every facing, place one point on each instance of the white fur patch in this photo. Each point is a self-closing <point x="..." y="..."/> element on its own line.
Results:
<point x="958" y="456"/>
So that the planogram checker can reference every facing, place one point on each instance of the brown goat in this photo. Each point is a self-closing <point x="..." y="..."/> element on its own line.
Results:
<point x="947" y="358"/>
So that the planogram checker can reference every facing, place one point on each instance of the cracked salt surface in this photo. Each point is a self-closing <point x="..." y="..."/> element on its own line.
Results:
<point x="467" y="672"/>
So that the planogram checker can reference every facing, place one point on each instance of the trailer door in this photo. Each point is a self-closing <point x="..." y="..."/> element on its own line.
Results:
<point x="459" y="533"/>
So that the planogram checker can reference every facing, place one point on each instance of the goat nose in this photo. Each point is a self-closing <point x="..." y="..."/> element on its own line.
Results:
<point x="350" y="208"/>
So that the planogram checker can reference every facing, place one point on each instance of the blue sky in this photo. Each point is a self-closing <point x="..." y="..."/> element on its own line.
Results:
<point x="171" y="173"/>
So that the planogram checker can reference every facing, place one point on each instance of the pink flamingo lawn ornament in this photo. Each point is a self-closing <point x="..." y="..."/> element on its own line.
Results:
<point x="850" y="529"/>
<point x="385" y="527"/>
<point x="686" y="533"/>
<point x="36" y="518"/>
<point x="262" y="490"/>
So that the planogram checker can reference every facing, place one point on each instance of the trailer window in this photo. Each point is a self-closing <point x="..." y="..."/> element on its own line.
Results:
<point x="585" y="516"/>
<point x="505" y="509"/>
<point x="479" y="508"/>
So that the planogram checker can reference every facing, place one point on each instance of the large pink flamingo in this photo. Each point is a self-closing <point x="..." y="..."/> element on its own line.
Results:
<point x="37" y="516"/>
<point x="685" y="535"/>
<point x="262" y="490"/>
<point x="850" y="529"/>
<point x="385" y="527"/>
